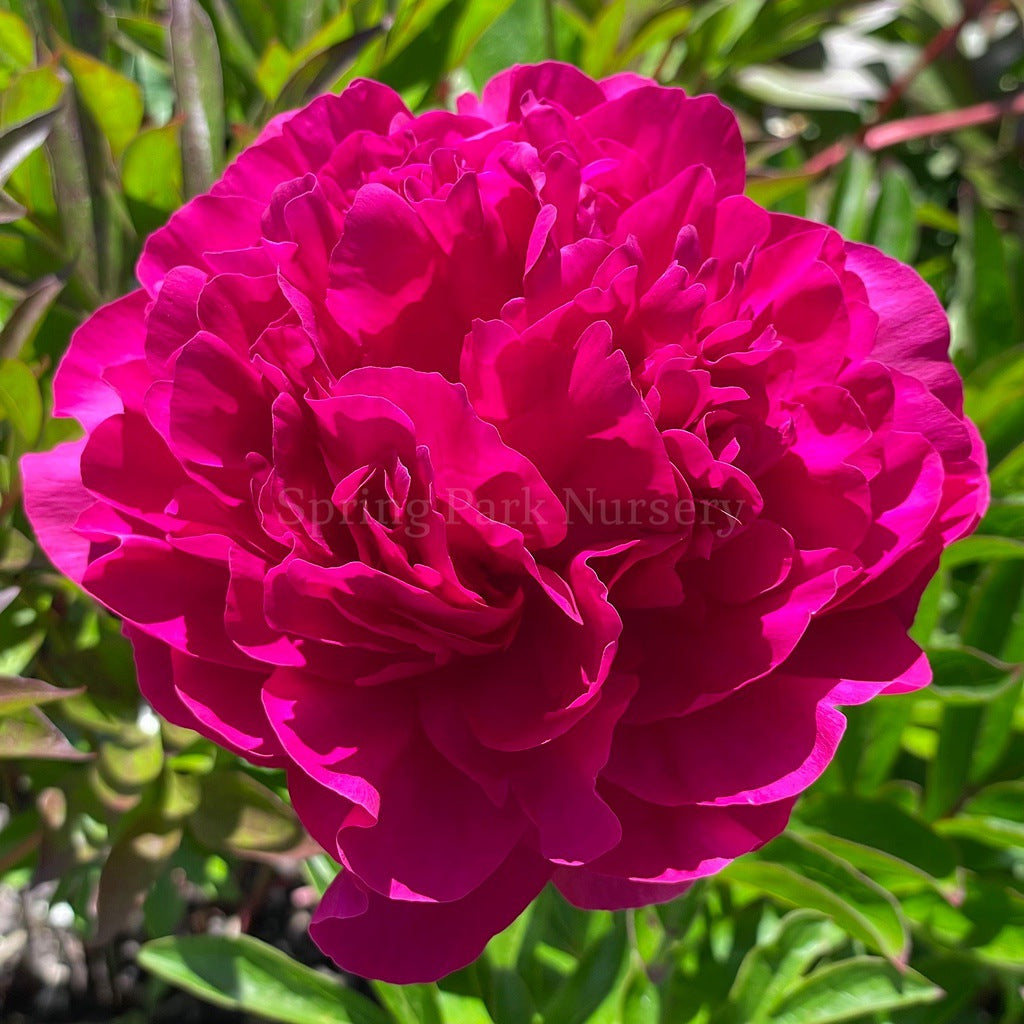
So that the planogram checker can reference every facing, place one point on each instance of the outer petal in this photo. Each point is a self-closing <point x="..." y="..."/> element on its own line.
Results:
<point x="433" y="833"/>
<point x="406" y="942"/>
<point x="507" y="92"/>
<point x="913" y="330"/>
<point x="228" y="217"/>
<point x="221" y="703"/>
<point x="54" y="499"/>
<point x="768" y="741"/>
<point x="111" y="337"/>
<point x="591" y="891"/>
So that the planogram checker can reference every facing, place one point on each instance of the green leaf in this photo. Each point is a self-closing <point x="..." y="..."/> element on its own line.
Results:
<point x="640" y="999"/>
<point x="980" y="548"/>
<point x="321" y="871"/>
<point x="71" y="186"/>
<point x="593" y="979"/>
<point x="321" y="71"/>
<point x="460" y="1009"/>
<point x="22" y="139"/>
<point x="21" y="327"/>
<point x="767" y="191"/>
<point x="851" y="989"/>
<point x="410" y="1004"/>
<point x="798" y="873"/>
<point x="894" y="226"/>
<point x="995" y="816"/>
<point x="17" y="693"/>
<point x="17" y="51"/>
<point x="151" y="175"/>
<point x="984" y="285"/>
<point x="29" y="734"/>
<point x="773" y="966"/>
<point x="19" y="838"/>
<point x="136" y="860"/>
<point x="31" y="94"/>
<point x="113" y="101"/>
<point x="240" y="816"/>
<point x="21" y="401"/>
<point x="195" y="61"/>
<point x="147" y="33"/>
<point x="516" y="36"/>
<point x="249" y="976"/>
<point x="849" y="212"/>
<point x="950" y="769"/>
<point x="274" y="69"/>
<point x="965" y="677"/>
<point x="130" y="767"/>
<point x="10" y="209"/>
<point x="988" y="926"/>
<point x="878" y="836"/>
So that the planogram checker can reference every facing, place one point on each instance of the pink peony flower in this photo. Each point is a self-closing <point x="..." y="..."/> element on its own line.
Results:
<point x="527" y="493"/>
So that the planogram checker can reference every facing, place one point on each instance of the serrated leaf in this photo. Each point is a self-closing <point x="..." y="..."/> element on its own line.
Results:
<point x="243" y="974"/>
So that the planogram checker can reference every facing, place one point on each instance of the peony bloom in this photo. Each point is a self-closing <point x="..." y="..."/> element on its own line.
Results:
<point x="519" y="487"/>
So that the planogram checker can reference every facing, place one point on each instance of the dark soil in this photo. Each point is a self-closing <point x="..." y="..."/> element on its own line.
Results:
<point x="49" y="975"/>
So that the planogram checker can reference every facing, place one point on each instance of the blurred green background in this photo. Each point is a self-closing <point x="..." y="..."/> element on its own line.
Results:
<point x="147" y="876"/>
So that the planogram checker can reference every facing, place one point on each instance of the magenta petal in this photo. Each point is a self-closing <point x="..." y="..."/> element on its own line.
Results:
<point x="528" y="494"/>
<point x="913" y="331"/>
<point x="54" y="499"/>
<point x="406" y="942"/>
<point x="220" y="702"/>
<point x="409" y="851"/>
<point x="110" y="338"/>
<point x="551" y="81"/>
<point x="767" y="742"/>
<point x="591" y="891"/>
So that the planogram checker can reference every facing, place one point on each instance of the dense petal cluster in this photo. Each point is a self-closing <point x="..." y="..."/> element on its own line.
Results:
<point x="527" y="493"/>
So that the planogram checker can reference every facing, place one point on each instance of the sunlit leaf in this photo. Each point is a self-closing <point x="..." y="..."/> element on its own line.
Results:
<point x="239" y="815"/>
<point x="17" y="693"/>
<point x="852" y="989"/>
<point x="113" y="101"/>
<point x="29" y="734"/>
<point x="249" y="976"/>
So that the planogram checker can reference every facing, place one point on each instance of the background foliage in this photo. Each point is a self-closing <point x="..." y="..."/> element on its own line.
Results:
<point x="897" y="894"/>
